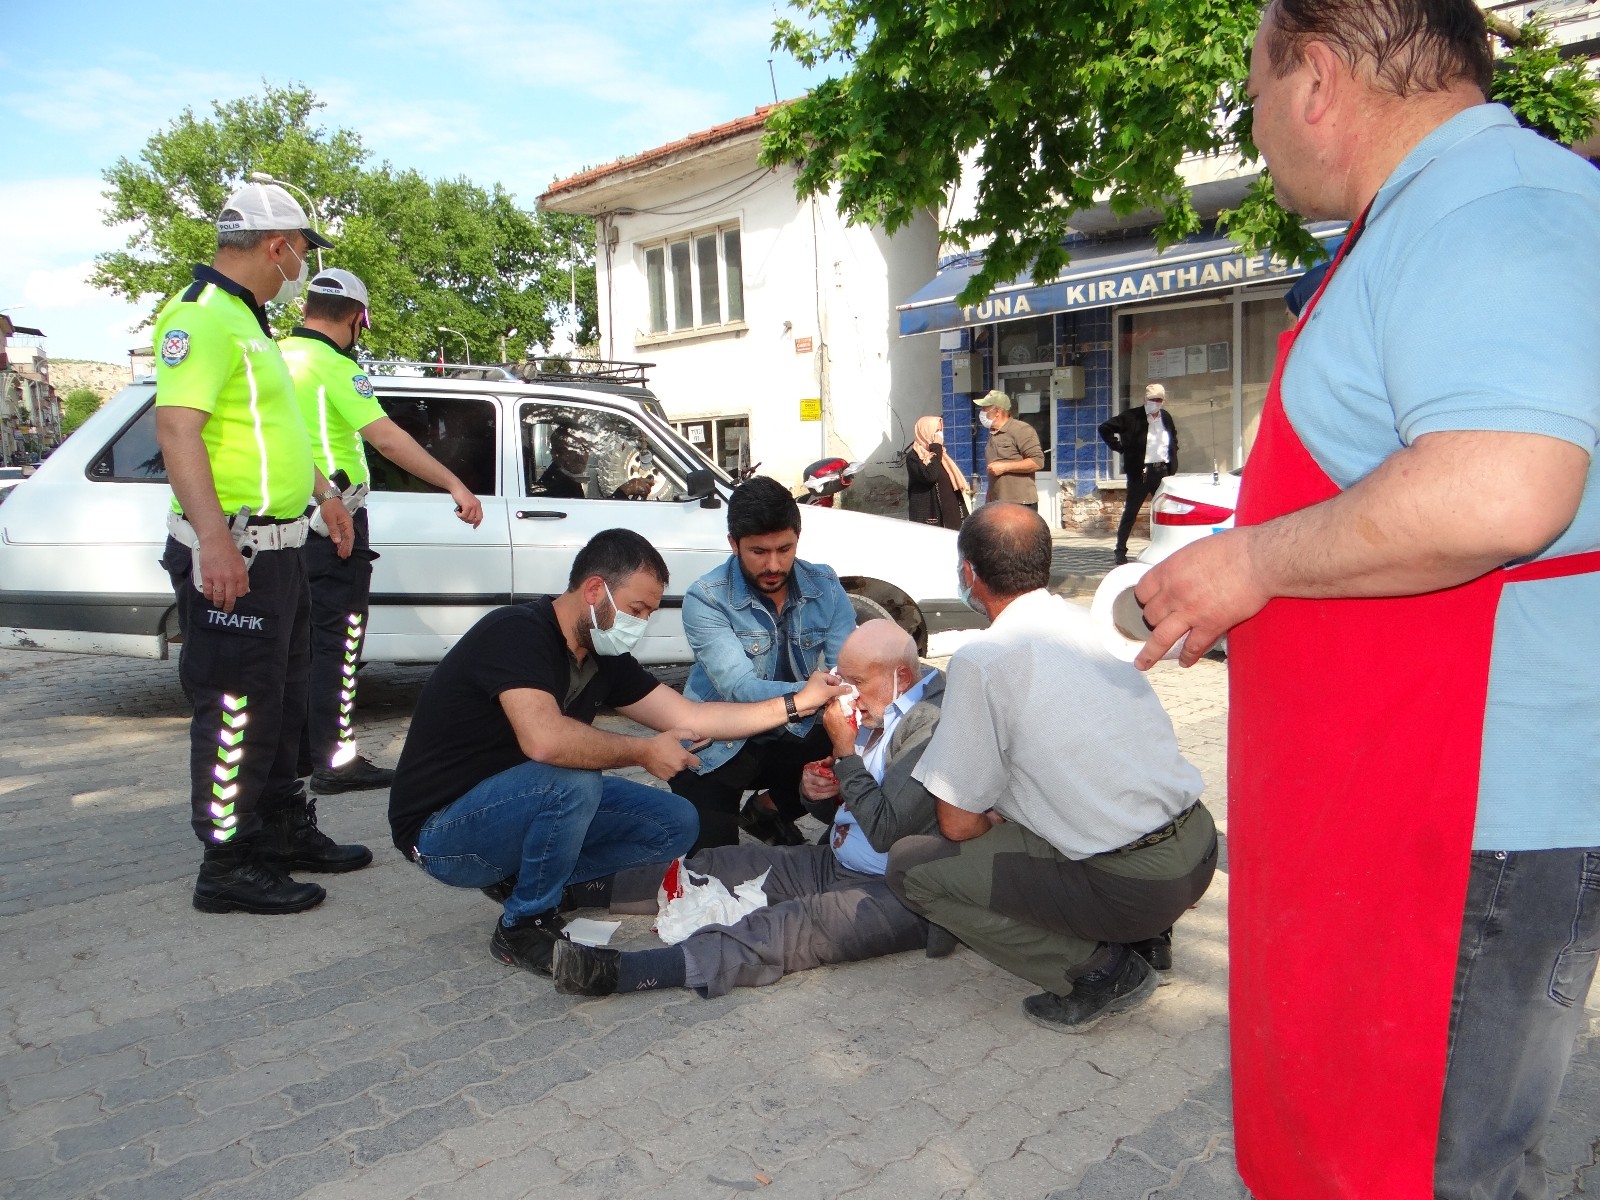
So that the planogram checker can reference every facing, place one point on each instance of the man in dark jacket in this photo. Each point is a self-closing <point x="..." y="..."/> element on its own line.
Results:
<point x="1149" y="449"/>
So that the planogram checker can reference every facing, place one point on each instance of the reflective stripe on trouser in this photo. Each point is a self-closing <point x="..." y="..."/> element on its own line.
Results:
<point x="339" y="591"/>
<point x="245" y="675"/>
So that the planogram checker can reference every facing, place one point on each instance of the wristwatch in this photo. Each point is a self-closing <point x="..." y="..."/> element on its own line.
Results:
<point x="790" y="708"/>
<point x="321" y="498"/>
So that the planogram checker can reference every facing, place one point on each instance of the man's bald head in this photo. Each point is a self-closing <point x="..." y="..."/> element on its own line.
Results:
<point x="1009" y="548"/>
<point x="879" y="643"/>
<point x="880" y="661"/>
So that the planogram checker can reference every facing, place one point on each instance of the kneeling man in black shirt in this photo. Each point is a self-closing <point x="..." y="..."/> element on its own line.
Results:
<point x="500" y="778"/>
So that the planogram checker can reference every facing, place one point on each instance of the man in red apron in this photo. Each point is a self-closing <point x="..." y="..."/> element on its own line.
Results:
<point x="1414" y="766"/>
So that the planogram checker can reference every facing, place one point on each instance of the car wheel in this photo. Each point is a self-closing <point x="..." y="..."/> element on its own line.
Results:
<point x="868" y="609"/>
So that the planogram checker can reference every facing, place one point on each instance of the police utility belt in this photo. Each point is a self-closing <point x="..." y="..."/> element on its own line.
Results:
<point x="250" y="539"/>
<point x="355" y="499"/>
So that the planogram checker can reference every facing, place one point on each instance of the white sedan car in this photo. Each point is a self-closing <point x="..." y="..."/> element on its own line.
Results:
<point x="1187" y="508"/>
<point x="79" y="545"/>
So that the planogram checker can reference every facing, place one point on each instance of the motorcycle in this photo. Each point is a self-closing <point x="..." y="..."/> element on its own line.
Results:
<point x="825" y="479"/>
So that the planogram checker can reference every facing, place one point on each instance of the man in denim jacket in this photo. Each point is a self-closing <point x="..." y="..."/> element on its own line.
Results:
<point x="759" y="626"/>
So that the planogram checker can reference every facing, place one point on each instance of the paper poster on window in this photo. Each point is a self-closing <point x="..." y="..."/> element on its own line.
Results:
<point x="1166" y="364"/>
<point x="697" y="434"/>
<point x="1027" y="402"/>
<point x="1194" y="362"/>
<point x="1218" y="357"/>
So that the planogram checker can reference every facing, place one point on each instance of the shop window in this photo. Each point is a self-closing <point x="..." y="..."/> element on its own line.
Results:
<point x="1264" y="320"/>
<point x="1189" y="351"/>
<point x="695" y="281"/>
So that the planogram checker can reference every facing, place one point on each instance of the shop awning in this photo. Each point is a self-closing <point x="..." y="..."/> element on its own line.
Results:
<point x="1101" y="274"/>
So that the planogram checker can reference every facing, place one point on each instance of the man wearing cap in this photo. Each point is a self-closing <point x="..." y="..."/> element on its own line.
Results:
<point x="342" y="415"/>
<point x="242" y="477"/>
<point x="1013" y="454"/>
<point x="1148" y="442"/>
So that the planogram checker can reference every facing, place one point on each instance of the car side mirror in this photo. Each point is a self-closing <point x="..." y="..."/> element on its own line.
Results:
<point x="702" y="486"/>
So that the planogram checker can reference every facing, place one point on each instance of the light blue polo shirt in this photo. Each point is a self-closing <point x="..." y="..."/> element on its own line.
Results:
<point x="850" y="845"/>
<point x="1472" y="302"/>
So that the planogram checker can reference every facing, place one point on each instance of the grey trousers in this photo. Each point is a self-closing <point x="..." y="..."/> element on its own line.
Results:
<point x="817" y="913"/>
<point x="1022" y="904"/>
<point x="1529" y="943"/>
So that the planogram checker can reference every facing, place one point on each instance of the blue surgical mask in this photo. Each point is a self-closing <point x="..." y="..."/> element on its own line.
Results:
<point x="967" y="597"/>
<point x="624" y="634"/>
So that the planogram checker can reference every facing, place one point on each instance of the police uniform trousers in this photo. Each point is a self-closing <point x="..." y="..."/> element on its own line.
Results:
<point x="340" y="591"/>
<point x="245" y="672"/>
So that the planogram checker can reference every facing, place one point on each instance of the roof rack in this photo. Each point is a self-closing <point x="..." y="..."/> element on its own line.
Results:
<point x="405" y="366"/>
<point x="556" y="368"/>
<point x="548" y="369"/>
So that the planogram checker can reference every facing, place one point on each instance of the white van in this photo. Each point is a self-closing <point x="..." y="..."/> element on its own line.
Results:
<point x="79" y="545"/>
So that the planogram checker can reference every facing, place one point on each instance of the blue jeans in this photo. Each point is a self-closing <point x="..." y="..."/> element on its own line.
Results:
<point x="1528" y="950"/>
<point x="551" y="826"/>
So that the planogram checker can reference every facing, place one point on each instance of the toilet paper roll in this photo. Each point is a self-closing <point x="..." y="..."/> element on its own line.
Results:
<point x="1116" y="612"/>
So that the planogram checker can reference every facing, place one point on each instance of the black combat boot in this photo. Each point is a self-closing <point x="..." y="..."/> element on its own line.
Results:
<point x="291" y="840"/>
<point x="236" y="878"/>
<point x="360" y="774"/>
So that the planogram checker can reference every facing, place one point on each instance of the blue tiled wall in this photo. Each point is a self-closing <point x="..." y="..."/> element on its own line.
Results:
<point x="1081" y="457"/>
<point x="964" y="438"/>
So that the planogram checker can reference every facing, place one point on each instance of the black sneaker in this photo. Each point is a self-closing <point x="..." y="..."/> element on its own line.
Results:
<point x="529" y="943"/>
<point x="585" y="970"/>
<point x="242" y="882"/>
<point x="761" y="820"/>
<point x="941" y="942"/>
<point x="1095" y="996"/>
<point x="291" y="841"/>
<point x="360" y="774"/>
<point x="1156" y="951"/>
<point x="501" y="892"/>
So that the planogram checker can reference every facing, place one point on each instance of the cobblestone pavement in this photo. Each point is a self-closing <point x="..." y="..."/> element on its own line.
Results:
<point x="371" y="1048"/>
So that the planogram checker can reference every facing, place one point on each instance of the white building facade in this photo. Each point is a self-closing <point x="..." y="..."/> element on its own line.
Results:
<point x="769" y="321"/>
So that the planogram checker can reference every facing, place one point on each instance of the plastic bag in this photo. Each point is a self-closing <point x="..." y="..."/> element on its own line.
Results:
<point x="689" y="901"/>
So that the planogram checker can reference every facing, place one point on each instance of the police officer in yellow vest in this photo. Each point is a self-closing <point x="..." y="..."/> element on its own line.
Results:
<point x="342" y="415"/>
<point x="242" y="476"/>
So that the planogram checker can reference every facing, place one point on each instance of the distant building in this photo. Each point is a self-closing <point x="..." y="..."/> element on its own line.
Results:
<point x="768" y="319"/>
<point x="30" y="410"/>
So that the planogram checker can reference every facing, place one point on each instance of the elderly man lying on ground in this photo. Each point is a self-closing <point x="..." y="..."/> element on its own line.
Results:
<point x="826" y="904"/>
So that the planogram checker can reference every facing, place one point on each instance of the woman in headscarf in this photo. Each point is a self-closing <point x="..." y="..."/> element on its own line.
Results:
<point x="936" y="488"/>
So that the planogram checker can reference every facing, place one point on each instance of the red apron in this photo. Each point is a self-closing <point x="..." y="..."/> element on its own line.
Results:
<point x="1354" y="739"/>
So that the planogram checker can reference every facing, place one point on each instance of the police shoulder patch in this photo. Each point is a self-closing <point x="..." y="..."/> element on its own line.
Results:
<point x="174" y="347"/>
<point x="363" y="385"/>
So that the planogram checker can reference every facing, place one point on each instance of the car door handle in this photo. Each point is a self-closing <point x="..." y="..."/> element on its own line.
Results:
<point x="540" y="514"/>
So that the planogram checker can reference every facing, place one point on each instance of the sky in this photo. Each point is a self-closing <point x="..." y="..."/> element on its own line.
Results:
<point x="519" y="92"/>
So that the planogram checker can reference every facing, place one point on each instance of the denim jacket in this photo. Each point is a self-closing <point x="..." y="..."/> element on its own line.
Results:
<point x="733" y="634"/>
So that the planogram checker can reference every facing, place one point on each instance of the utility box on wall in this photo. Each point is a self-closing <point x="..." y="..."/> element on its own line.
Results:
<point x="1066" y="383"/>
<point x="965" y="373"/>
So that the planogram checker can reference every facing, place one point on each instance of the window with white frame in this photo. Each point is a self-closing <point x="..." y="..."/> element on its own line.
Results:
<point x="695" y="280"/>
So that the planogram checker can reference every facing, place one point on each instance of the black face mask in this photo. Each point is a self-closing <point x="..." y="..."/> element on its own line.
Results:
<point x="355" y="337"/>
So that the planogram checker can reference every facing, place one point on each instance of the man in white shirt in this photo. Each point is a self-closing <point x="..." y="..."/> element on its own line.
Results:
<point x="1071" y="831"/>
<point x="825" y="904"/>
